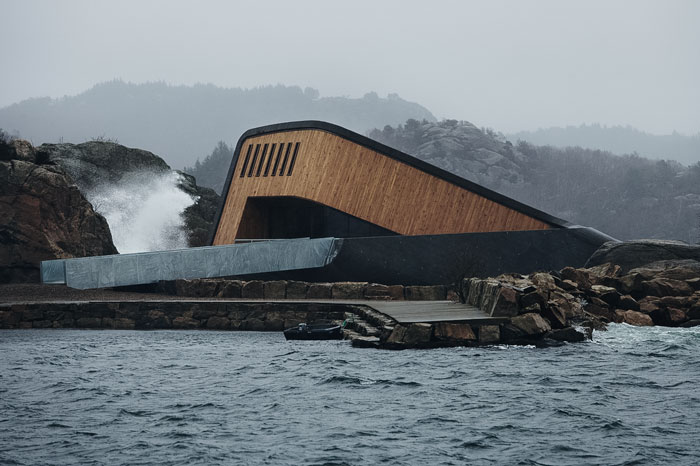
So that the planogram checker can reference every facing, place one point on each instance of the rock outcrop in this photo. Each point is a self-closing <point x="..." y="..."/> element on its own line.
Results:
<point x="631" y="254"/>
<point x="199" y="217"/>
<point x="43" y="215"/>
<point x="547" y="306"/>
<point x="95" y="163"/>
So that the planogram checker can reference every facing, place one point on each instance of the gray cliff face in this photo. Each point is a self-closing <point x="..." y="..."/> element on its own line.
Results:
<point x="43" y="215"/>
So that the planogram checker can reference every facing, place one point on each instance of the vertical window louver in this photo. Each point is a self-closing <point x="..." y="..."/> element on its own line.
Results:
<point x="294" y="159"/>
<point x="246" y="160"/>
<point x="255" y="159"/>
<point x="262" y="160"/>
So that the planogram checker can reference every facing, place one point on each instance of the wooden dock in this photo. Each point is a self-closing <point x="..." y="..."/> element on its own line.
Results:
<point x="433" y="311"/>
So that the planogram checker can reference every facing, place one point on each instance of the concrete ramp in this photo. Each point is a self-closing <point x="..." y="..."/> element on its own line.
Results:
<point x="203" y="262"/>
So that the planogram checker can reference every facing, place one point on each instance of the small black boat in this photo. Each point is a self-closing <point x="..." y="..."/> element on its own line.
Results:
<point x="314" y="332"/>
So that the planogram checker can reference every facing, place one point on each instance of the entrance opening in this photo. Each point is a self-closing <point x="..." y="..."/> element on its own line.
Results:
<point x="290" y="217"/>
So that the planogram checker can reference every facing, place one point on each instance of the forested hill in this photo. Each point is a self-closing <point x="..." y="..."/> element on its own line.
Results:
<point x="183" y="123"/>
<point x="624" y="196"/>
<point x="618" y="140"/>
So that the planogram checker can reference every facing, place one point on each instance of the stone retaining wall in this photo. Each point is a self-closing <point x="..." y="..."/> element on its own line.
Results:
<point x="288" y="289"/>
<point x="168" y="315"/>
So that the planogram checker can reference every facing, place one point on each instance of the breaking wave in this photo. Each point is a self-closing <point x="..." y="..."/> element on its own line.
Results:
<point x="144" y="211"/>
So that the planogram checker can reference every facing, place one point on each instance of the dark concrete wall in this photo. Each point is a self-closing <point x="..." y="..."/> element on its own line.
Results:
<point x="445" y="259"/>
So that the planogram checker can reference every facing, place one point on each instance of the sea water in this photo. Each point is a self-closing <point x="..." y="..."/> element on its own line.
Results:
<point x="631" y="396"/>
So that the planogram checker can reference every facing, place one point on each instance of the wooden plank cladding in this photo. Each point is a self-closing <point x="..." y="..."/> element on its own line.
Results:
<point x="378" y="185"/>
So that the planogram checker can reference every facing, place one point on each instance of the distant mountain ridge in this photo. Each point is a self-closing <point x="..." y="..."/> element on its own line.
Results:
<point x="618" y="140"/>
<point x="183" y="123"/>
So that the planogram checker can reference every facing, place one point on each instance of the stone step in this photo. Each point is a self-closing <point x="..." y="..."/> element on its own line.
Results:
<point x="366" y="342"/>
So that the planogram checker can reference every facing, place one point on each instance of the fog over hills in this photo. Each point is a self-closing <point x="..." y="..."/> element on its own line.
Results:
<point x="183" y="123"/>
<point x="618" y="140"/>
<point x="625" y="196"/>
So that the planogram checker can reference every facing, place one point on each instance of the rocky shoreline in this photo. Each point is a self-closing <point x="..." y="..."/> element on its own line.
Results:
<point x="540" y="309"/>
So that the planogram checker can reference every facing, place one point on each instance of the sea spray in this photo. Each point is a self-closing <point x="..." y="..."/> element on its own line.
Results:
<point x="144" y="211"/>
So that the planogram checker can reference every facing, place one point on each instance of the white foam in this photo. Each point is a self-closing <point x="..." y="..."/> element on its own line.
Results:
<point x="144" y="211"/>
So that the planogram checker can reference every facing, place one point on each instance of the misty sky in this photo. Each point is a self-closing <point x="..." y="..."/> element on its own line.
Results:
<point x="510" y="65"/>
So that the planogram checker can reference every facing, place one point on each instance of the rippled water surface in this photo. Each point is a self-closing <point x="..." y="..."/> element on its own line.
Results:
<point x="176" y="397"/>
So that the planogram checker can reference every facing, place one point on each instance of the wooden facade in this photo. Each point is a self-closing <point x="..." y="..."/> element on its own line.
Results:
<point x="331" y="166"/>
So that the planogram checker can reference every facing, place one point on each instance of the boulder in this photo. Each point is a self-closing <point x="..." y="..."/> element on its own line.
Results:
<point x="675" y="317"/>
<point x="666" y="287"/>
<point x="511" y="334"/>
<point x="685" y="269"/>
<point x="531" y="324"/>
<point x="631" y="254"/>
<point x="410" y="335"/>
<point x="648" y="305"/>
<point x="606" y="293"/>
<point x="397" y="335"/>
<point x="554" y="314"/>
<point x="579" y="277"/>
<point x="634" y="318"/>
<point x="458" y="332"/>
<point x="418" y="334"/>
<point x="680" y="302"/>
<point x="489" y="334"/>
<point x="633" y="284"/>
<point x="43" y="216"/>
<point x="568" y="334"/>
<point x="670" y="317"/>
<point x="604" y="273"/>
<point x="543" y="281"/>
<point x="507" y="303"/>
<point x="602" y="312"/>
<point x="627" y="303"/>
<point x="567" y="303"/>
<point x="18" y="149"/>
<point x="534" y="298"/>
<point x="569" y="285"/>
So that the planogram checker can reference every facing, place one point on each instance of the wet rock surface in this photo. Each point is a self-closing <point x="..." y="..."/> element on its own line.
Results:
<point x="43" y="215"/>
